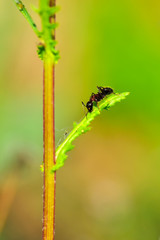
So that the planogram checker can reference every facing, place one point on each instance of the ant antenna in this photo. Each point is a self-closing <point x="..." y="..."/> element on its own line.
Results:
<point x="86" y="107"/>
<point x="83" y="104"/>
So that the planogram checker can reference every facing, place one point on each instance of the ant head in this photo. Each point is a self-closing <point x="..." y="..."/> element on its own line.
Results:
<point x="89" y="106"/>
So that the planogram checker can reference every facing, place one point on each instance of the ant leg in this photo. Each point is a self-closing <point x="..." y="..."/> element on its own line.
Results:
<point x="98" y="106"/>
<point x="83" y="104"/>
<point x="65" y="134"/>
<point x="99" y="89"/>
<point x="92" y="96"/>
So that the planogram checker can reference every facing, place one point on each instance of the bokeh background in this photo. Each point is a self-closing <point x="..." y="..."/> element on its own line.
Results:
<point x="109" y="187"/>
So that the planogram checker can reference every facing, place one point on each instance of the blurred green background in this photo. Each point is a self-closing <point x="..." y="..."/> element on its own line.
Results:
<point x="109" y="187"/>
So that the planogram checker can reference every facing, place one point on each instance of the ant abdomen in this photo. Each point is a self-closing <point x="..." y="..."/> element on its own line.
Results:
<point x="105" y="91"/>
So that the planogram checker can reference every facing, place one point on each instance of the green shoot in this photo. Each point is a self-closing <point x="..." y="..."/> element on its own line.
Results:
<point x="47" y="41"/>
<point x="83" y="127"/>
<point x="25" y="13"/>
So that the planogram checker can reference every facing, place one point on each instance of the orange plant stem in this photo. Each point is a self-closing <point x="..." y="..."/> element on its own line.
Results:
<point x="49" y="151"/>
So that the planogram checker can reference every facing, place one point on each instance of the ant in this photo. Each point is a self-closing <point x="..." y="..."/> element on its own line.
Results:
<point x="97" y="97"/>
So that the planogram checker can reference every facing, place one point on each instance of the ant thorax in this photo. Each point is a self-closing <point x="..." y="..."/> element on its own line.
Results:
<point x="96" y="97"/>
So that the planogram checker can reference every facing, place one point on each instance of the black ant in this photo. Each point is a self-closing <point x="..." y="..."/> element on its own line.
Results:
<point x="97" y="97"/>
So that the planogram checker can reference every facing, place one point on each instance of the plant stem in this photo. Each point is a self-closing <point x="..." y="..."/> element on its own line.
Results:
<point x="49" y="151"/>
<point x="49" y="55"/>
<point x="49" y="138"/>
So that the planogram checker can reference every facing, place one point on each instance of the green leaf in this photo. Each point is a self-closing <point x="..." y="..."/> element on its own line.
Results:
<point x="28" y="17"/>
<point x="83" y="127"/>
<point x="41" y="51"/>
